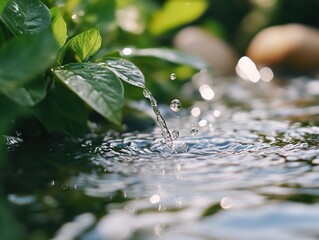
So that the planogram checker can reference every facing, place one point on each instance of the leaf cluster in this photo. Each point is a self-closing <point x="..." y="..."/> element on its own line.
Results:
<point x="60" y="80"/>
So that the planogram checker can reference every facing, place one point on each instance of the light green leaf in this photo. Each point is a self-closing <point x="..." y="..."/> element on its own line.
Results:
<point x="86" y="43"/>
<point x="30" y="94"/>
<point x="2" y="5"/>
<point x="24" y="58"/>
<point x="58" y="25"/>
<point x="63" y="112"/>
<point x="26" y="17"/>
<point x="176" y="13"/>
<point x="125" y="71"/>
<point x="97" y="86"/>
<point x="170" y="55"/>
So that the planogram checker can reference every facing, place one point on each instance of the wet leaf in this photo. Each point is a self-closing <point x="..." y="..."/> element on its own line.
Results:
<point x="125" y="70"/>
<point x="170" y="55"/>
<point x="97" y="86"/>
<point x="176" y="13"/>
<point x="26" y="17"/>
<point x="58" y="25"/>
<point x="87" y="43"/>
<point x="24" y="58"/>
<point x="63" y="112"/>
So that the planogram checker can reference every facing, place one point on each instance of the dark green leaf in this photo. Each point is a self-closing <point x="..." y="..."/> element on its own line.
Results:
<point x="87" y="43"/>
<point x="97" y="86"/>
<point x="9" y="228"/>
<point x="58" y="25"/>
<point x="26" y="17"/>
<point x="62" y="111"/>
<point x="25" y="57"/>
<point x="171" y="55"/>
<point x="30" y="94"/>
<point x="125" y="71"/>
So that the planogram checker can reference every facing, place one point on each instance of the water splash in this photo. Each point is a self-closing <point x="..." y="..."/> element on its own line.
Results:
<point x="175" y="134"/>
<point x="171" y="145"/>
<point x="160" y="120"/>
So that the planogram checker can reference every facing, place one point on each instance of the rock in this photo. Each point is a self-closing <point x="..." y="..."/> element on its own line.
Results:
<point x="203" y="44"/>
<point x="291" y="46"/>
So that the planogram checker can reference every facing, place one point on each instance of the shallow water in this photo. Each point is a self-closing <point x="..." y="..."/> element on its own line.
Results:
<point x="251" y="172"/>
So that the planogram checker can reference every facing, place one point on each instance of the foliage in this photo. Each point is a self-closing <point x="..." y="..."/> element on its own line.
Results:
<point x="61" y="80"/>
<point x="57" y="50"/>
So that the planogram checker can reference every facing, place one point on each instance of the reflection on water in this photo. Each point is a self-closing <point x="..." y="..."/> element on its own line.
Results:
<point x="251" y="172"/>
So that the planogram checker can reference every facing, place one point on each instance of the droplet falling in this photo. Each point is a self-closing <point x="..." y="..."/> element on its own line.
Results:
<point x="172" y="76"/>
<point x="175" y="134"/>
<point x="194" y="131"/>
<point x="175" y="105"/>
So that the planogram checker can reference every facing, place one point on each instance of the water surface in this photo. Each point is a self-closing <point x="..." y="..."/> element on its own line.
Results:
<point x="251" y="172"/>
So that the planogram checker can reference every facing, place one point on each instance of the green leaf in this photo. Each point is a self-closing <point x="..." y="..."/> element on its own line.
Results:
<point x="176" y="13"/>
<point x="24" y="58"/>
<point x="86" y="43"/>
<point x="63" y="112"/>
<point x="170" y="55"/>
<point x="58" y="25"/>
<point x="2" y="5"/>
<point x="26" y="17"/>
<point x="100" y="13"/>
<point x="125" y="71"/>
<point x="97" y="86"/>
<point x="30" y="94"/>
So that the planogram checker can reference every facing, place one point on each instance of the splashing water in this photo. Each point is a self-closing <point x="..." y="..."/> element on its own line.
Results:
<point x="160" y="120"/>
<point x="174" y="146"/>
<point x="175" y="134"/>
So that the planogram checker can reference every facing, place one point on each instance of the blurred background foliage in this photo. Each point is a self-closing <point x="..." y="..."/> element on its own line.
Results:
<point x="149" y="24"/>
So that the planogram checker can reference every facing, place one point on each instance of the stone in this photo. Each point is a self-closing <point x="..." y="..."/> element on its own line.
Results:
<point x="207" y="46"/>
<point x="291" y="46"/>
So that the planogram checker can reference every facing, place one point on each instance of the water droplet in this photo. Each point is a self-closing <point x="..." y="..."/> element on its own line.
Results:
<point x="175" y="105"/>
<point x="64" y="186"/>
<point x="173" y="76"/>
<point x="194" y="131"/>
<point x="175" y="134"/>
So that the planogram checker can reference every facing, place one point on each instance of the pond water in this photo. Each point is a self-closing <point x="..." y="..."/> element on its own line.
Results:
<point x="251" y="172"/>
